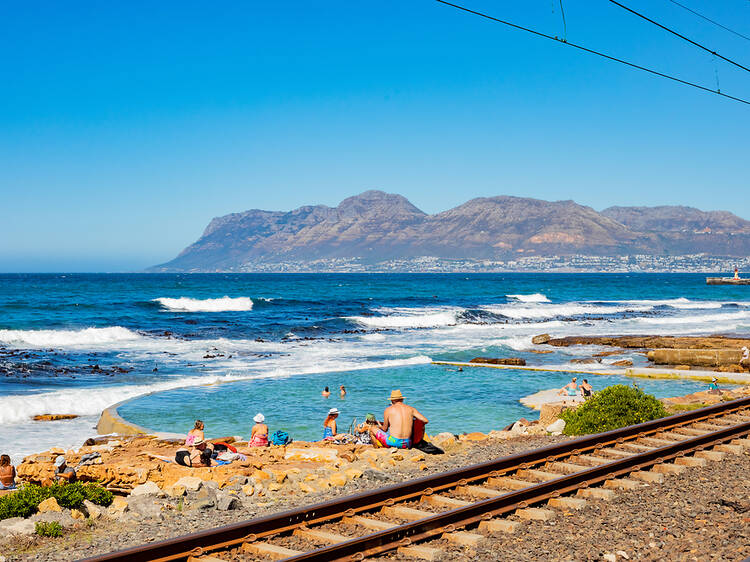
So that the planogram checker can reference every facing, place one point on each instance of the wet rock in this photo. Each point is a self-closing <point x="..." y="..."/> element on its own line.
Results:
<point x="622" y="363"/>
<point x="54" y="417"/>
<point x="540" y="339"/>
<point x="499" y="361"/>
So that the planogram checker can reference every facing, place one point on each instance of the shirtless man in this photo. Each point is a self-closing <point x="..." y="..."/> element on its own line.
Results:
<point x="398" y="423"/>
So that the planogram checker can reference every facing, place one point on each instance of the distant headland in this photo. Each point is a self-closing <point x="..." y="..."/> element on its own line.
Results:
<point x="377" y="231"/>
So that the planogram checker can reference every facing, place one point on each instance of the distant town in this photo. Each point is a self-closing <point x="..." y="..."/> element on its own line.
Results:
<point x="638" y="263"/>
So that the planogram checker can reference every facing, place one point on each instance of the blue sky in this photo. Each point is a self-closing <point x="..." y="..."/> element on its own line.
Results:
<point x="124" y="128"/>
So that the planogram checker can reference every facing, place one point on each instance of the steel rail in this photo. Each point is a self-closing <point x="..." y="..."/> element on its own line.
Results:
<point x="196" y="544"/>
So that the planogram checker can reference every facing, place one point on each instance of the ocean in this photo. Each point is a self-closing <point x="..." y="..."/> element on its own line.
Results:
<point x="222" y="347"/>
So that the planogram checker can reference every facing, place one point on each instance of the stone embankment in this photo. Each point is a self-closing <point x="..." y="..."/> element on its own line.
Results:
<point x="718" y="352"/>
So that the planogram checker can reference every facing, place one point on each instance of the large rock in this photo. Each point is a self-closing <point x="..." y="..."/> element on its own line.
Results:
<point x="17" y="526"/>
<point x="190" y="483"/>
<point x="54" y="417"/>
<point x="317" y="454"/>
<point x="556" y="427"/>
<point x="499" y="361"/>
<point x="94" y="511"/>
<point x="50" y="504"/>
<point x="147" y="489"/>
<point x="144" y="507"/>
<point x="696" y="357"/>
<point x="540" y="339"/>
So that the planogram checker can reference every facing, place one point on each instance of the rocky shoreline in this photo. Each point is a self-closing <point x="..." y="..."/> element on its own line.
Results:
<point x="157" y="499"/>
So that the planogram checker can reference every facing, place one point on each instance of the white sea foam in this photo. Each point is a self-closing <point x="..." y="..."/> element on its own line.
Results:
<point x="86" y="337"/>
<point x="416" y="320"/>
<point x="373" y="337"/>
<point x="535" y="297"/>
<point x="569" y="309"/>
<point x="224" y="304"/>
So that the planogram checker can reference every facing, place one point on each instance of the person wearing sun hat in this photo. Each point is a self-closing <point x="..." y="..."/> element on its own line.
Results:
<point x="329" y="426"/>
<point x="398" y="423"/>
<point x="63" y="471"/>
<point x="259" y="433"/>
<point x="745" y="360"/>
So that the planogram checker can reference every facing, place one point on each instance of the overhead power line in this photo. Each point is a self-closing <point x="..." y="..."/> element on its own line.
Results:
<point x="673" y="32"/>
<point x="716" y="23"/>
<point x="593" y="52"/>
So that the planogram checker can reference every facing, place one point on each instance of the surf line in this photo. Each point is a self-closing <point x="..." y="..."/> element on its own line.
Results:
<point x="641" y="373"/>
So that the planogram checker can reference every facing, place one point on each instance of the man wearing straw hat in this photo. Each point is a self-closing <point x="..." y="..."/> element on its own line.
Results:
<point x="398" y="423"/>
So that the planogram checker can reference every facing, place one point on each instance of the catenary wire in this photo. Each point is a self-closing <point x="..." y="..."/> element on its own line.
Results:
<point x="593" y="52"/>
<point x="716" y="23"/>
<point x="673" y="32"/>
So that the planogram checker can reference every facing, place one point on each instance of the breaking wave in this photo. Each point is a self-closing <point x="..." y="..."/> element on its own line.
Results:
<point x="430" y="320"/>
<point x="68" y="338"/>
<point x="224" y="304"/>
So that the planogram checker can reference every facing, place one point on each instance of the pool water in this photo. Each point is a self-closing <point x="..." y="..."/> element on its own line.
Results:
<point x="476" y="399"/>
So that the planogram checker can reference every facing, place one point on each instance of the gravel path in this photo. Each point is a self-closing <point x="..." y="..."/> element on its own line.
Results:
<point x="702" y="514"/>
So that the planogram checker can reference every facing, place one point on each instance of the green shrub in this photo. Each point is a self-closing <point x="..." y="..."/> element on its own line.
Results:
<point x="51" y="529"/>
<point x="24" y="502"/>
<point x="614" y="407"/>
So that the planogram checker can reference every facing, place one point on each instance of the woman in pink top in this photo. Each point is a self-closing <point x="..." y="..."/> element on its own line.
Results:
<point x="259" y="433"/>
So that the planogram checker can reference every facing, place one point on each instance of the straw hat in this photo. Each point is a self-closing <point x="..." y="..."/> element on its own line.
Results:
<point x="333" y="411"/>
<point x="199" y="442"/>
<point x="396" y="395"/>
<point x="259" y="418"/>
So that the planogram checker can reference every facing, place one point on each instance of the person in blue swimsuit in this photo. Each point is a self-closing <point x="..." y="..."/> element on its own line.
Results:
<point x="570" y="389"/>
<point x="329" y="426"/>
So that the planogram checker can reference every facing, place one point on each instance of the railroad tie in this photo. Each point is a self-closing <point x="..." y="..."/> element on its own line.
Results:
<point x="658" y="442"/>
<point x="668" y="468"/>
<point x="623" y="484"/>
<point x="368" y="523"/>
<point x="444" y="501"/>
<point x="743" y="442"/>
<point x="538" y="475"/>
<point x="567" y="503"/>
<point x="711" y="455"/>
<point x="320" y="536"/>
<point x="648" y="476"/>
<point x="499" y="526"/>
<point x="596" y="493"/>
<point x="690" y="461"/>
<point x="593" y="459"/>
<point x="567" y="467"/>
<point x="672" y="436"/>
<point x="617" y="452"/>
<point x="639" y="446"/>
<point x="481" y="492"/>
<point x="421" y="552"/>
<point x="403" y="512"/>
<point x="536" y="514"/>
<point x="464" y="538"/>
<point x="728" y="448"/>
<point x="508" y="483"/>
<point x="269" y="550"/>
<point x="692" y="431"/>
<point x="709" y="426"/>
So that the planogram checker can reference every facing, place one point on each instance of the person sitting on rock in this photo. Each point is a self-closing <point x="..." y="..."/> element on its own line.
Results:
<point x="259" y="433"/>
<point x="7" y="474"/>
<point x="363" y="429"/>
<point x="745" y="361"/>
<point x="713" y="385"/>
<point x="198" y="456"/>
<point x="63" y="472"/>
<point x="398" y="423"/>
<point x="329" y="425"/>
<point x="570" y="389"/>
<point x="586" y="389"/>
<point x="195" y="434"/>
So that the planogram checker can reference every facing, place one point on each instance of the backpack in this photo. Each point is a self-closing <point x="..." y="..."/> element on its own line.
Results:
<point x="280" y="438"/>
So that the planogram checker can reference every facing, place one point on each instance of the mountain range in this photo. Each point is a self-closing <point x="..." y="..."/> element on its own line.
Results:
<point x="375" y="226"/>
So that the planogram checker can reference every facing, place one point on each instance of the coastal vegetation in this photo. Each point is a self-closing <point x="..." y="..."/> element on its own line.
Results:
<point x="25" y="501"/>
<point x="48" y="529"/>
<point x="614" y="407"/>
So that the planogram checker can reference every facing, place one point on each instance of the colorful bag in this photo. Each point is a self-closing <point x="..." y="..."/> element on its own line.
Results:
<point x="280" y="438"/>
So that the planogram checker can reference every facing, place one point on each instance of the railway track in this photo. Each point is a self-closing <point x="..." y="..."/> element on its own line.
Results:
<point x="465" y="505"/>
